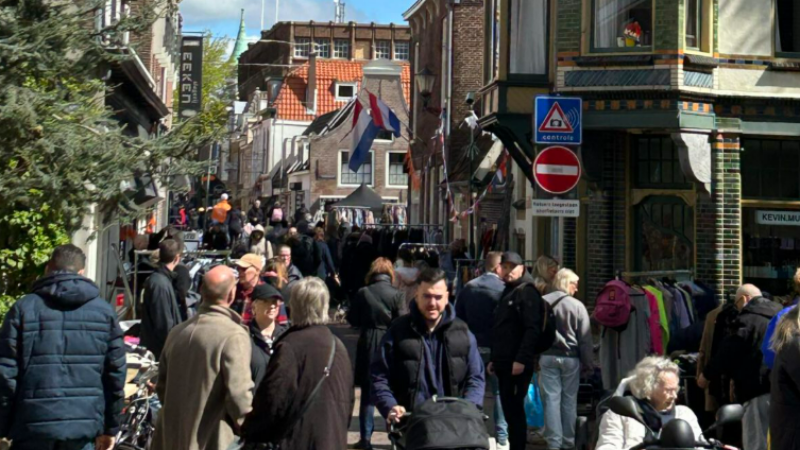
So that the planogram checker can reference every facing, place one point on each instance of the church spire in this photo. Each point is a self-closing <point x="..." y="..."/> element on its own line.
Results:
<point x="241" y="41"/>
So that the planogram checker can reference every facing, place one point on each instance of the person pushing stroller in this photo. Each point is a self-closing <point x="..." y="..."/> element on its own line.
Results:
<point x="426" y="353"/>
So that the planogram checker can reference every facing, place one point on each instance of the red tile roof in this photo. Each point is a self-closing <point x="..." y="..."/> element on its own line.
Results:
<point x="291" y="102"/>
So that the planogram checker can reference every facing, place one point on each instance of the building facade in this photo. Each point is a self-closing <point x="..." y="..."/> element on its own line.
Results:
<point x="448" y="46"/>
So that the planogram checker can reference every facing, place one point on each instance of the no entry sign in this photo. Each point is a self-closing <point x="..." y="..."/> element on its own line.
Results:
<point x="557" y="170"/>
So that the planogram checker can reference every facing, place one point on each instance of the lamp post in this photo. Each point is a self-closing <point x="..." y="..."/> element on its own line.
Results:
<point x="424" y="80"/>
<point x="472" y="153"/>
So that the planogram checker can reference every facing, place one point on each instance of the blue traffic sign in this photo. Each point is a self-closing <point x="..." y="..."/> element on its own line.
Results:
<point x="558" y="120"/>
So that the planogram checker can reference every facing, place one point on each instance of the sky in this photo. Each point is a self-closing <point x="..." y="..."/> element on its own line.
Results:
<point x="222" y="16"/>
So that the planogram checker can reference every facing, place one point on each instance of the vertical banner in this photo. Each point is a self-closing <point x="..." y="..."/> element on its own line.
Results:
<point x="191" y="70"/>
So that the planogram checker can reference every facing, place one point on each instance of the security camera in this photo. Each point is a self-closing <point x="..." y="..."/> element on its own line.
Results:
<point x="470" y="98"/>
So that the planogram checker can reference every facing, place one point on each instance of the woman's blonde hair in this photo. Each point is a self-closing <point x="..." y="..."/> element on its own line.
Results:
<point x="788" y="328"/>
<point x="563" y="279"/>
<point x="796" y="282"/>
<point x="543" y="266"/>
<point x="277" y="266"/>
<point x="309" y="302"/>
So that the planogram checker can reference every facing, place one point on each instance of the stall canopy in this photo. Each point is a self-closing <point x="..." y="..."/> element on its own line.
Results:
<point x="363" y="197"/>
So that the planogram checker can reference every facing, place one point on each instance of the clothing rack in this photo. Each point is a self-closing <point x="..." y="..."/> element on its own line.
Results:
<point x="409" y="244"/>
<point x="416" y="225"/>
<point x="656" y="273"/>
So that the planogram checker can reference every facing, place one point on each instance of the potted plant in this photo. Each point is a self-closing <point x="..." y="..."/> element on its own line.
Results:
<point x="632" y="33"/>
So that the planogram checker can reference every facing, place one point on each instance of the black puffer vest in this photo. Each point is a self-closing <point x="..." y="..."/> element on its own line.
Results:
<point x="406" y="377"/>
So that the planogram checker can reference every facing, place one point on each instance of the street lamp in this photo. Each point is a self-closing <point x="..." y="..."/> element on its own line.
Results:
<point x="470" y="101"/>
<point x="425" y="80"/>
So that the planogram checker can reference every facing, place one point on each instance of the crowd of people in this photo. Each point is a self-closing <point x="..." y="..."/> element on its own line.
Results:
<point x="254" y="365"/>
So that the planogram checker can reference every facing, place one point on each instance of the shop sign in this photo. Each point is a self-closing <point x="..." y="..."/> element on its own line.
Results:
<point x="557" y="170"/>
<point x="556" y="208"/>
<point x="191" y="76"/>
<point x="789" y="218"/>
<point x="558" y="120"/>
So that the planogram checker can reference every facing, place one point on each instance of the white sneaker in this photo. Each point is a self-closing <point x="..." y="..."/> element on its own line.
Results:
<point x="502" y="446"/>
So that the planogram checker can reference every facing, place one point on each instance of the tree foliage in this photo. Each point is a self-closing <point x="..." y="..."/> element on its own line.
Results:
<point x="62" y="151"/>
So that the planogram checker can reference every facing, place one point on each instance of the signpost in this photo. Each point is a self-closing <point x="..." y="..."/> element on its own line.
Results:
<point x="557" y="170"/>
<point x="191" y="76"/>
<point x="558" y="120"/>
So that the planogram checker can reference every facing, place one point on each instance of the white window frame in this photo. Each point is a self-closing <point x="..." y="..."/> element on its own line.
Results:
<point x="301" y="45"/>
<point x="345" y="99"/>
<point x="339" y="170"/>
<point x="337" y="53"/>
<point x="385" y="141"/>
<point x="322" y="43"/>
<point x="388" y="174"/>
<point x="388" y="49"/>
<point x="407" y="51"/>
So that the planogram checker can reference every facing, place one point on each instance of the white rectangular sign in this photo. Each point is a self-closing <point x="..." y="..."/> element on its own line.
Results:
<point x="556" y="208"/>
<point x="791" y="218"/>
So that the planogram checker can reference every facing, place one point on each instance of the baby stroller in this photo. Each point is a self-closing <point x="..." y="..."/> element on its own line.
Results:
<point x="441" y="423"/>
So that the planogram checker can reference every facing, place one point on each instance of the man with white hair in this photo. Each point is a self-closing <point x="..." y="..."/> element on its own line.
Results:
<point x="740" y="359"/>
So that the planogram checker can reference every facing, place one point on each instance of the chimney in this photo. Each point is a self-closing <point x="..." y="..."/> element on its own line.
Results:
<point x="311" y="90"/>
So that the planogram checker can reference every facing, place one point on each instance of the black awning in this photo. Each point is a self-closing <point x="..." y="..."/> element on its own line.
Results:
<point x="363" y="197"/>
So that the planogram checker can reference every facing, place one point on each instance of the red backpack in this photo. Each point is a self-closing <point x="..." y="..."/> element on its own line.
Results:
<point x="613" y="305"/>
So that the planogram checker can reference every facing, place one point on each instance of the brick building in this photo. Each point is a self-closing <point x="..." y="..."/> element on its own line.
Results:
<point x="288" y="44"/>
<point x="317" y="173"/>
<point x="298" y="73"/>
<point x="448" y="43"/>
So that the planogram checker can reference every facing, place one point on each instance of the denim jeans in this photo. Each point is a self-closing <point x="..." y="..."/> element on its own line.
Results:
<point x="559" y="381"/>
<point x="83" y="444"/>
<point x="755" y="423"/>
<point x="500" y="424"/>
<point x="366" y="413"/>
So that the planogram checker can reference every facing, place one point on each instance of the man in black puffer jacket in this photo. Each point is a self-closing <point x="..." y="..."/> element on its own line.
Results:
<point x="62" y="362"/>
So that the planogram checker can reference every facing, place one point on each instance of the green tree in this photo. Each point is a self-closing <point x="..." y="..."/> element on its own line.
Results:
<point x="61" y="150"/>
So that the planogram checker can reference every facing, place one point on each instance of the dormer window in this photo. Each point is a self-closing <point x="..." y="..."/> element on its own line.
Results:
<point x="346" y="91"/>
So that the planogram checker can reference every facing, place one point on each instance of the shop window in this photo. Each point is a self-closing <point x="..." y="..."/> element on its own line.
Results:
<point x="397" y="176"/>
<point x="383" y="50"/>
<point x="341" y="49"/>
<point x="787" y="26"/>
<point x="622" y="25"/>
<point x="771" y="249"/>
<point x="323" y="48"/>
<point x="664" y="234"/>
<point x="769" y="169"/>
<point x="528" y="50"/>
<point x="401" y="51"/>
<point x="694" y="17"/>
<point x="302" y="47"/>
<point x="657" y="164"/>
<point x="349" y="178"/>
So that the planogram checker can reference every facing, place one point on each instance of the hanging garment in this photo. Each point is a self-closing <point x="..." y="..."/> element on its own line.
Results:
<point x="688" y="301"/>
<point x="654" y="322"/>
<point x="620" y="351"/>
<point x="662" y="312"/>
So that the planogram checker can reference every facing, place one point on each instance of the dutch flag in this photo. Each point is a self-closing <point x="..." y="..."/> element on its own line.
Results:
<point x="384" y="117"/>
<point x="364" y="133"/>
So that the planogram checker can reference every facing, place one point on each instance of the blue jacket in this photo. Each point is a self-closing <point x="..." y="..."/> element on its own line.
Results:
<point x="62" y="363"/>
<point x="476" y="303"/>
<point x="769" y="354"/>
<point x="431" y="380"/>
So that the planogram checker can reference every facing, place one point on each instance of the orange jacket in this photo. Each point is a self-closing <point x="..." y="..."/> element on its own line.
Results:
<point x="220" y="211"/>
